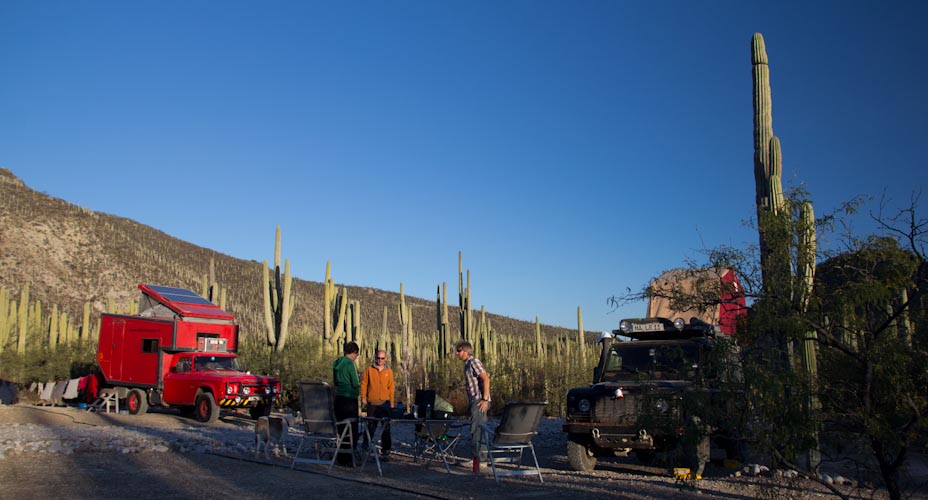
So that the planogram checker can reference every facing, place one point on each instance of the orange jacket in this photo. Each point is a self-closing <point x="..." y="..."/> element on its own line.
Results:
<point x="377" y="386"/>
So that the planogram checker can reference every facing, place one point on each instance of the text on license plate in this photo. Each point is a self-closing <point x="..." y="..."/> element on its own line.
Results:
<point x="648" y="327"/>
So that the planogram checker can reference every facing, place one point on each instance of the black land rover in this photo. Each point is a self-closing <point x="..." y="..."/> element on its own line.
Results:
<point x="657" y="391"/>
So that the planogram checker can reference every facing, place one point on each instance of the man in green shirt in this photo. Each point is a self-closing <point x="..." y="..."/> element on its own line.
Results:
<point x="347" y="390"/>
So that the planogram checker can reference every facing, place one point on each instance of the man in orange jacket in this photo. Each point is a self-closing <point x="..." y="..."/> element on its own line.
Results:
<point x="378" y="395"/>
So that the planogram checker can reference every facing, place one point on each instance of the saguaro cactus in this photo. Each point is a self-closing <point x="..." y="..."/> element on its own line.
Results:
<point x="441" y="308"/>
<point x="22" y="322"/>
<point x="466" y="313"/>
<point x="787" y="286"/>
<point x="334" y="305"/>
<point x="404" y="315"/>
<point x="278" y="300"/>
<point x="581" y="345"/>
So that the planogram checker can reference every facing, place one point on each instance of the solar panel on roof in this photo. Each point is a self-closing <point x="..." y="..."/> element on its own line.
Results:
<point x="180" y="295"/>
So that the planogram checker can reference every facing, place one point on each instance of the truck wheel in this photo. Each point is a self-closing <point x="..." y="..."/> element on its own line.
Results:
<point x="136" y="402"/>
<point x="206" y="409"/>
<point x="580" y="457"/>
<point x="262" y="410"/>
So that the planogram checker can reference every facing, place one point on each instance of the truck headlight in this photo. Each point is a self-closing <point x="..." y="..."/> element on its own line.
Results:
<point x="246" y="390"/>
<point x="661" y="406"/>
<point x="584" y="405"/>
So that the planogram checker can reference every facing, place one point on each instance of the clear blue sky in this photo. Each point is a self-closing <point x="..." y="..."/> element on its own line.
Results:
<point x="570" y="149"/>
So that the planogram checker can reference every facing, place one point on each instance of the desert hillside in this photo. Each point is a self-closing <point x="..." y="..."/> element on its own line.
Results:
<point x="71" y="255"/>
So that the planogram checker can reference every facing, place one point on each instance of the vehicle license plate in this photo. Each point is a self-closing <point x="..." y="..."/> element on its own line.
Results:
<point x="648" y="327"/>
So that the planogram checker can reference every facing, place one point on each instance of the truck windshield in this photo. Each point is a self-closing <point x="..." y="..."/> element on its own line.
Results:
<point x="206" y="363"/>
<point x="668" y="359"/>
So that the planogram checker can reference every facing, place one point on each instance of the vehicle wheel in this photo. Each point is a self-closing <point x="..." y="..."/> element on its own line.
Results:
<point x="580" y="456"/>
<point x="137" y="402"/>
<point x="645" y="456"/>
<point x="259" y="411"/>
<point x="206" y="409"/>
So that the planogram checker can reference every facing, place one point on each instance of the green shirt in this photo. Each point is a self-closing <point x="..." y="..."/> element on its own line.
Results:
<point x="347" y="384"/>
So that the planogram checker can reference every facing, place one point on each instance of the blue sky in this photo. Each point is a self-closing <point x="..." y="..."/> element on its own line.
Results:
<point x="569" y="149"/>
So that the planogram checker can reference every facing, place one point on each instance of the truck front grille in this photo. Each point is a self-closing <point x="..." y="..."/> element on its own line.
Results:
<point x="615" y="410"/>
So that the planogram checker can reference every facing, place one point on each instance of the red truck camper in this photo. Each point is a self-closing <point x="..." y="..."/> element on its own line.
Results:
<point x="179" y="351"/>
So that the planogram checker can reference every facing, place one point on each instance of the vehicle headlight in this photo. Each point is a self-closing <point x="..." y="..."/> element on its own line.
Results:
<point x="679" y="323"/>
<point x="625" y="326"/>
<point x="246" y="390"/>
<point x="584" y="405"/>
<point x="661" y="406"/>
<point x="267" y="390"/>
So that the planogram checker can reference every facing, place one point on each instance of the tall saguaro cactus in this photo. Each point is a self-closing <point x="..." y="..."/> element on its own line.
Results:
<point x="404" y="315"/>
<point x="278" y="300"/>
<point x="466" y="313"/>
<point x="334" y="304"/>
<point x="581" y="345"/>
<point x="772" y="222"/>
<point x="441" y="306"/>
<point x="789" y="284"/>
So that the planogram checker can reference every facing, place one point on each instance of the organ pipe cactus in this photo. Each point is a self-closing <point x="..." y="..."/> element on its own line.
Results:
<point x="278" y="300"/>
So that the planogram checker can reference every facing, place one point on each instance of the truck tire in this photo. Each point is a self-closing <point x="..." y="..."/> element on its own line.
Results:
<point x="205" y="409"/>
<point x="137" y="402"/>
<point x="580" y="456"/>
<point x="262" y="410"/>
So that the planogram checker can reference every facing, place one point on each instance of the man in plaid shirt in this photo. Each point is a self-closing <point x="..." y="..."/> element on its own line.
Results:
<point x="478" y="392"/>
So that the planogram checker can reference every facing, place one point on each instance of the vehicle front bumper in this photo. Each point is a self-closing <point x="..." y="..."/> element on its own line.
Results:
<point x="247" y="401"/>
<point x="611" y="435"/>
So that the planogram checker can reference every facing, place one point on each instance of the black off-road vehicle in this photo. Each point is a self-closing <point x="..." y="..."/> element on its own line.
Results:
<point x="664" y="388"/>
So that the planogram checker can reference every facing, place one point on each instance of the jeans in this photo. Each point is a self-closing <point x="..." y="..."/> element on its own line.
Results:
<point x="477" y="418"/>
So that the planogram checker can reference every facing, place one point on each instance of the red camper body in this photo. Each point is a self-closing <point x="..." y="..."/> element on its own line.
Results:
<point x="179" y="351"/>
<point x="720" y="287"/>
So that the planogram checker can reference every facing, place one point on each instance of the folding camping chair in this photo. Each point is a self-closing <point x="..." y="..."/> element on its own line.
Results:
<point x="320" y="428"/>
<point x="511" y="437"/>
<point x="432" y="432"/>
<point x="107" y="400"/>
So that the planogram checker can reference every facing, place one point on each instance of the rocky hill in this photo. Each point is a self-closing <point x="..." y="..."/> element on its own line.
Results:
<point x="70" y="255"/>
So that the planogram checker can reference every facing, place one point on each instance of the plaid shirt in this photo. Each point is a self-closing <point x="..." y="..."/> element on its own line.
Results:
<point x="472" y="370"/>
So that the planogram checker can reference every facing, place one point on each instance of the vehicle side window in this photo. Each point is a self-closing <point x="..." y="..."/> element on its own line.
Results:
<point x="183" y="365"/>
<point x="150" y="345"/>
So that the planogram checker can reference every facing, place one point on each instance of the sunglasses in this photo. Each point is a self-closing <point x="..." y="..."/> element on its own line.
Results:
<point x="381" y="358"/>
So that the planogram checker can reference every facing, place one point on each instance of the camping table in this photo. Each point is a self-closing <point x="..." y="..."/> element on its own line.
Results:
<point x="373" y="440"/>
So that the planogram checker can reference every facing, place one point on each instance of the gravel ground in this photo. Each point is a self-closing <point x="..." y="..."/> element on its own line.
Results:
<point x="63" y="452"/>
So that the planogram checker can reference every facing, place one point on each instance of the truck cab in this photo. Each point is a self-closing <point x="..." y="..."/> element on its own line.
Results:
<point x="179" y="351"/>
